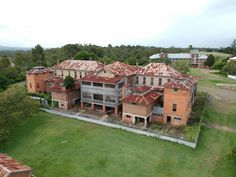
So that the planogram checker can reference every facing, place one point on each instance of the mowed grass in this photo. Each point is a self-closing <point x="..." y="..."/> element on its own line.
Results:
<point x="210" y="79"/>
<point x="60" y="147"/>
<point x="222" y="112"/>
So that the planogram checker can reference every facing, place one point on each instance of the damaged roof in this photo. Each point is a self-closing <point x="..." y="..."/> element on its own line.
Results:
<point x="158" y="69"/>
<point x="121" y="69"/>
<point x="9" y="165"/>
<point x="80" y="65"/>
<point x="143" y="99"/>
<point x="39" y="70"/>
<point x="180" y="84"/>
<point x="99" y="79"/>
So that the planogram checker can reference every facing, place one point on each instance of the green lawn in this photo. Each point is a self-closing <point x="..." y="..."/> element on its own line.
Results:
<point x="57" y="147"/>
<point x="210" y="79"/>
<point x="218" y="111"/>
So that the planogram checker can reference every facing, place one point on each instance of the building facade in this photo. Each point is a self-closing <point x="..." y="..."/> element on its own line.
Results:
<point x="194" y="57"/>
<point x="152" y="93"/>
<point x="35" y="79"/>
<point x="77" y="68"/>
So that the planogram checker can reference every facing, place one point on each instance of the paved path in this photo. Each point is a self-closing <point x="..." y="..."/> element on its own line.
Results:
<point x="141" y="132"/>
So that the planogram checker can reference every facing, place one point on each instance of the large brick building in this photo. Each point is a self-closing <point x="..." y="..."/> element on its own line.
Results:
<point x="105" y="88"/>
<point x="35" y="79"/>
<point x="11" y="168"/>
<point x="155" y="92"/>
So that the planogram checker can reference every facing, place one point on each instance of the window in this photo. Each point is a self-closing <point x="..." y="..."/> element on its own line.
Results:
<point x="37" y="85"/>
<point x="86" y="95"/>
<point x="168" y="80"/>
<point x="136" y="80"/>
<point x="174" y="107"/>
<point x="175" y="89"/>
<point x="177" y="118"/>
<point x="104" y="71"/>
<point x="110" y="98"/>
<point x="97" y="84"/>
<point x="86" y="83"/>
<point x="151" y="82"/>
<point x="128" y="116"/>
<point x="75" y="74"/>
<point x="160" y="82"/>
<point x="144" y="80"/>
<point x="30" y="85"/>
<point x="69" y="73"/>
<point x="62" y="73"/>
<point x="80" y="74"/>
<point x="109" y="86"/>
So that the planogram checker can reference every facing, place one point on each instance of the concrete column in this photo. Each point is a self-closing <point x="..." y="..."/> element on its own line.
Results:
<point x="116" y="110"/>
<point x="82" y="105"/>
<point x="104" y="108"/>
<point x="145" y="122"/>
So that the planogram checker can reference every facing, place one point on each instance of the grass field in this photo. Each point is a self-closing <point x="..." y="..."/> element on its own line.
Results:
<point x="217" y="54"/>
<point x="58" y="147"/>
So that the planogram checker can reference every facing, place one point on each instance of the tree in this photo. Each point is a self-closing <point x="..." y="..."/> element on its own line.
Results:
<point x="70" y="50"/>
<point x="3" y="82"/>
<point x="84" y="55"/>
<point x="190" y="47"/>
<point x="210" y="61"/>
<point x="38" y="55"/>
<point x="69" y="82"/>
<point x="230" y="68"/>
<point x="15" y="107"/>
<point x="182" y="66"/>
<point x="233" y="46"/>
<point x="4" y="62"/>
<point x="163" y="60"/>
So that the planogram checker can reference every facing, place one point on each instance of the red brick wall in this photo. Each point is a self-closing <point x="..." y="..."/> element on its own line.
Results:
<point x="182" y="98"/>
<point x="35" y="79"/>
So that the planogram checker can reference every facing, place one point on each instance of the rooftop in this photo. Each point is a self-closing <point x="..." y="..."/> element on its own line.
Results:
<point x="144" y="99"/>
<point x="8" y="165"/>
<point x="121" y="69"/>
<point x="179" y="84"/>
<point x="80" y="65"/>
<point x="158" y="69"/>
<point x="58" y="84"/>
<point x="39" y="70"/>
<point x="99" y="79"/>
<point x="141" y="89"/>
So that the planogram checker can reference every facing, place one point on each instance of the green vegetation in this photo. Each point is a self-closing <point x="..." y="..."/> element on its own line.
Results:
<point x="15" y="107"/>
<point x="182" y="66"/>
<point x="69" y="82"/>
<point x="210" y="61"/>
<point x="65" y="147"/>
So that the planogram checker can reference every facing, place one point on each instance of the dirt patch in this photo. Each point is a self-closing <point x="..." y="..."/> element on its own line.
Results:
<point x="219" y="127"/>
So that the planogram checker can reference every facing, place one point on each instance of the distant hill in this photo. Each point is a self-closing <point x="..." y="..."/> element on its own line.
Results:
<point x="6" y="48"/>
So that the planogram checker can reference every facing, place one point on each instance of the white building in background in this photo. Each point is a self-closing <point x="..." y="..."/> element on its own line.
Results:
<point x="194" y="57"/>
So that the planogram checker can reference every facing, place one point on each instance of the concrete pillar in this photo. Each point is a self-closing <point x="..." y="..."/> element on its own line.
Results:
<point x="82" y="105"/>
<point x="104" y="108"/>
<point x="116" y="110"/>
<point x="145" y="122"/>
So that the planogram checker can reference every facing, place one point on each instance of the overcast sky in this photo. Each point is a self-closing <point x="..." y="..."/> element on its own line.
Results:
<point x="53" y="23"/>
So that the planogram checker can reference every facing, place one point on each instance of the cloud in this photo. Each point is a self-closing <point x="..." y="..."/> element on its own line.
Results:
<point x="144" y="22"/>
